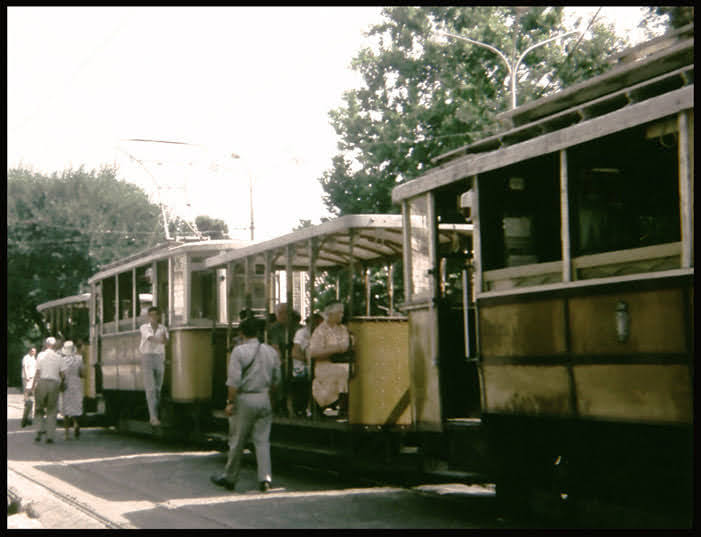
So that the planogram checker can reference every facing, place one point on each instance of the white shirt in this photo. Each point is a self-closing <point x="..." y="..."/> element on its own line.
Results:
<point x="261" y="363"/>
<point x="29" y="367"/>
<point x="49" y="364"/>
<point x="302" y="338"/>
<point x="149" y="347"/>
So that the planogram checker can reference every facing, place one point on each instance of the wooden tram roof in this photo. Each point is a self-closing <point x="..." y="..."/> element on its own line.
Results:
<point x="376" y="237"/>
<point x="163" y="251"/>
<point x="65" y="301"/>
<point x="647" y="82"/>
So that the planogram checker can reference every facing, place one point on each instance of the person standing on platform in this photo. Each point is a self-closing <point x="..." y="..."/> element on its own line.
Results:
<point x="29" y="365"/>
<point x="253" y="377"/>
<point x="72" y="374"/>
<point x="45" y="388"/>
<point x="153" y="349"/>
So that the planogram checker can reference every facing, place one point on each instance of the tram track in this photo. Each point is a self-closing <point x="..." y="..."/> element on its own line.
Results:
<point x="72" y="502"/>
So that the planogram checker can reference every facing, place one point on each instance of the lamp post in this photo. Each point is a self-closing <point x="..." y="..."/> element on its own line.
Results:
<point x="512" y="66"/>
<point x="250" y="192"/>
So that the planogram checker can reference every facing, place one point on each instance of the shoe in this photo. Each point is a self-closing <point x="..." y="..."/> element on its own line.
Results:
<point x="155" y="422"/>
<point x="222" y="481"/>
<point x="49" y="441"/>
<point x="264" y="486"/>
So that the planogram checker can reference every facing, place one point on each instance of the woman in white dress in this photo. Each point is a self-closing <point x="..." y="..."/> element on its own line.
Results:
<point x="72" y="398"/>
<point x="330" y="339"/>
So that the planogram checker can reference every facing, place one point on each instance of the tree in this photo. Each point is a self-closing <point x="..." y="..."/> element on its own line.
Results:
<point x="213" y="228"/>
<point x="60" y="230"/>
<point x="423" y="96"/>
<point x="661" y="19"/>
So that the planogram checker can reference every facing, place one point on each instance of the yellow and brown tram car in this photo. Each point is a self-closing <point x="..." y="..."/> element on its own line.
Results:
<point x="171" y="278"/>
<point x="355" y="259"/>
<point x="583" y="273"/>
<point x="68" y="318"/>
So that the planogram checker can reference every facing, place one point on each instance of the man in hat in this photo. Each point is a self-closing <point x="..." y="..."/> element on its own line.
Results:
<point x="45" y="388"/>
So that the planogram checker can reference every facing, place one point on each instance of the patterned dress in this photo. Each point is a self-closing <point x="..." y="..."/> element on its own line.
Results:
<point x="72" y="398"/>
<point x="330" y="379"/>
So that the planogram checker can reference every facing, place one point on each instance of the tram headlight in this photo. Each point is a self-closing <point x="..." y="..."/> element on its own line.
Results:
<point x="465" y="204"/>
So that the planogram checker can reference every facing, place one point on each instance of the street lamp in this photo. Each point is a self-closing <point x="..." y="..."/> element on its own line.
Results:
<point x="250" y="192"/>
<point x="512" y="67"/>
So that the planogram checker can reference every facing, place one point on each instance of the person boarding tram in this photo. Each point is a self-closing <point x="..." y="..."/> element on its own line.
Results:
<point x="152" y="348"/>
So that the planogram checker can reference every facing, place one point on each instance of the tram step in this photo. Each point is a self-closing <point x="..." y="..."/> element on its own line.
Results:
<point x="457" y="476"/>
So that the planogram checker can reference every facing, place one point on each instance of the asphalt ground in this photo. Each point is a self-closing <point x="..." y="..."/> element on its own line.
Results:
<point x="109" y="480"/>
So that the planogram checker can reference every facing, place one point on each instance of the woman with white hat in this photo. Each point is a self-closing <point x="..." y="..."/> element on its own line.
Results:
<point x="71" y="375"/>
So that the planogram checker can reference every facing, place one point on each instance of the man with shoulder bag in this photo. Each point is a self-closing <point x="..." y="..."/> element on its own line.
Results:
<point x="253" y="376"/>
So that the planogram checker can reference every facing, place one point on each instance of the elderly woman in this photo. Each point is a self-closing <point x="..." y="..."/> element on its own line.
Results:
<point x="71" y="373"/>
<point x="329" y="340"/>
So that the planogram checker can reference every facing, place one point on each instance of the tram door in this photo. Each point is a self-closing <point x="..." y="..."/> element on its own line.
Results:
<point x="459" y="378"/>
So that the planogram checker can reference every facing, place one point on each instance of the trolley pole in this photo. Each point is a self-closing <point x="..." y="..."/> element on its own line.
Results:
<point x="250" y="193"/>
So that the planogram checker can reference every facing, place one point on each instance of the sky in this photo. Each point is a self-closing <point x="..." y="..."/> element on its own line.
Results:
<point x="254" y="82"/>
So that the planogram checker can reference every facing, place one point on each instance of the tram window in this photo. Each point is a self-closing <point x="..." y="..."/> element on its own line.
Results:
<point x="163" y="295"/>
<point x="624" y="191"/>
<point x="125" y="300"/>
<point x="520" y="214"/>
<point x="179" y="289"/>
<point x="108" y="289"/>
<point x="144" y="291"/>
<point x="201" y="295"/>
<point x="419" y="249"/>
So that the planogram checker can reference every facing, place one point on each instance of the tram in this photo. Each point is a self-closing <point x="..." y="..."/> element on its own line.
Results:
<point x="68" y="319"/>
<point x="339" y="260"/>
<point x="530" y="312"/>
<point x="583" y="286"/>
<point x="169" y="277"/>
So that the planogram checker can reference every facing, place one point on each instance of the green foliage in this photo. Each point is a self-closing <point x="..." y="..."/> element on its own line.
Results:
<point x="659" y="20"/>
<point x="424" y="96"/>
<point x="213" y="228"/>
<point x="60" y="230"/>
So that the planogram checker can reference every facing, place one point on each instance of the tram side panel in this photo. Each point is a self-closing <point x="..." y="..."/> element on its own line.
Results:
<point x="379" y="391"/>
<point x="616" y="413"/>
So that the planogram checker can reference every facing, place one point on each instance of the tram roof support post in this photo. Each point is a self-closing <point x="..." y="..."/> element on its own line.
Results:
<point x="351" y="270"/>
<point x="686" y="187"/>
<point x="267" y="287"/>
<point x="565" y="219"/>
<point x="390" y="287"/>
<point x="312" y="274"/>
<point x="133" y="298"/>
<point x="408" y="284"/>
<point x="368" y="294"/>
<point x="247" y="283"/>
<point x="476" y="238"/>
<point x="116" y="302"/>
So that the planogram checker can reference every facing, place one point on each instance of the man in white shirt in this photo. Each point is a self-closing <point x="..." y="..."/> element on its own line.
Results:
<point x="152" y="349"/>
<point x="29" y="364"/>
<point x="45" y="388"/>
